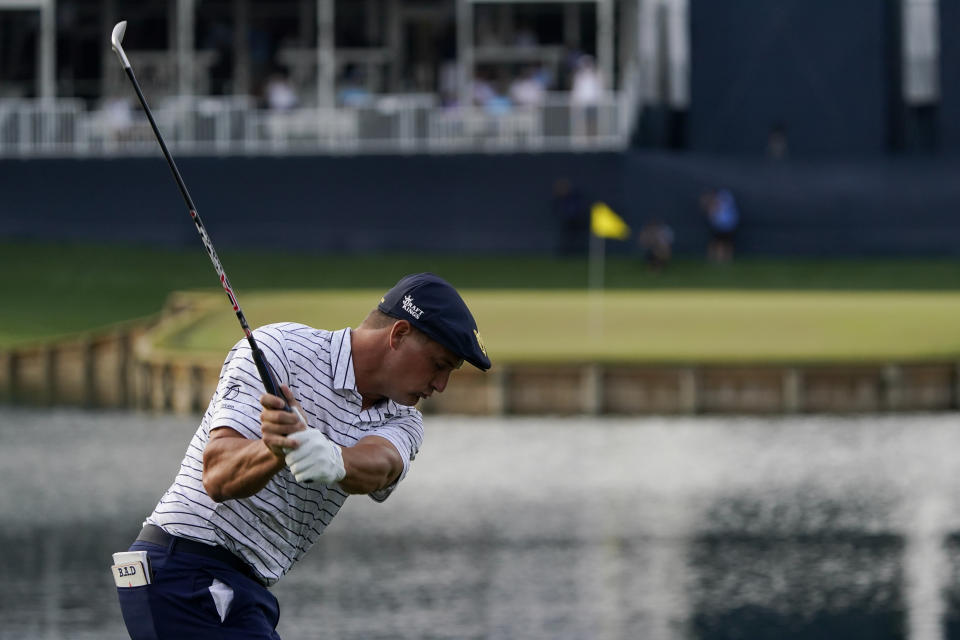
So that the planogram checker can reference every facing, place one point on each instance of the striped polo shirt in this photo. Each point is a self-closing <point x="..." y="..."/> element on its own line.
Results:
<point x="274" y="528"/>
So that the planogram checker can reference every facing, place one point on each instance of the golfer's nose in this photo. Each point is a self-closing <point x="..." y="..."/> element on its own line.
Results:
<point x="440" y="382"/>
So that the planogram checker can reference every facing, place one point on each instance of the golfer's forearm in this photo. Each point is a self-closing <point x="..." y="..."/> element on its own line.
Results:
<point x="237" y="468"/>
<point x="370" y="465"/>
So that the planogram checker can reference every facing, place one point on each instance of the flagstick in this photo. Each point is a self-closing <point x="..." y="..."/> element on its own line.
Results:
<point x="595" y="302"/>
<point x="604" y="223"/>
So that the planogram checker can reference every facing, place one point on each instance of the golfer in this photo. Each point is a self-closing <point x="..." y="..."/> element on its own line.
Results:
<point x="259" y="484"/>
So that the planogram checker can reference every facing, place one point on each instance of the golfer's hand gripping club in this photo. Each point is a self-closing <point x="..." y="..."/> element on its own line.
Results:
<point x="308" y="453"/>
<point x="317" y="459"/>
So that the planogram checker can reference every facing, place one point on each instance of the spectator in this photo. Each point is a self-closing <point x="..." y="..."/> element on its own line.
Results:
<point x="585" y="95"/>
<point x="723" y="218"/>
<point x="656" y="241"/>
<point x="279" y="92"/>
<point x="353" y="91"/>
<point x="117" y="118"/>
<point x="485" y="94"/>
<point x="448" y="83"/>
<point x="528" y="90"/>
<point x="482" y="89"/>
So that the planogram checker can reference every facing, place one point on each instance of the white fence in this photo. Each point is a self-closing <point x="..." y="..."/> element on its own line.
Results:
<point x="234" y="126"/>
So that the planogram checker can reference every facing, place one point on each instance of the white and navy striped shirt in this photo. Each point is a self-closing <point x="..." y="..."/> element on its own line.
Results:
<point x="274" y="528"/>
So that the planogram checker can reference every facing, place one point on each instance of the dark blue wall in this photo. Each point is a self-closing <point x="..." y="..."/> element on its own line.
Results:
<point x="888" y="206"/>
<point x="949" y="75"/>
<point x="455" y="203"/>
<point x="825" y="69"/>
<point x="485" y="203"/>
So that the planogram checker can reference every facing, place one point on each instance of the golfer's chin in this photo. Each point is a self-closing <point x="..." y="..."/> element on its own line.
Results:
<point x="408" y="399"/>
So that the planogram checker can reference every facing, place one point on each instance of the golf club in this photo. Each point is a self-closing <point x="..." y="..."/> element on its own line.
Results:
<point x="266" y="375"/>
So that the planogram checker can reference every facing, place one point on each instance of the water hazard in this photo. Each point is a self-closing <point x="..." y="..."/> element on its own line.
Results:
<point x="662" y="528"/>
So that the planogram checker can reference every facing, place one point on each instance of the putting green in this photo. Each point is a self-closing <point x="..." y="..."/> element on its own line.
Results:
<point x="674" y="326"/>
<point x="52" y="290"/>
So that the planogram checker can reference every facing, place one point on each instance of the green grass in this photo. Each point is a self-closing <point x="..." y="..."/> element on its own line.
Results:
<point x="631" y="326"/>
<point x="692" y="310"/>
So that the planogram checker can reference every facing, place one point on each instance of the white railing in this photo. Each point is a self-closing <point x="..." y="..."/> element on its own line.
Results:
<point x="234" y="126"/>
<point x="33" y="127"/>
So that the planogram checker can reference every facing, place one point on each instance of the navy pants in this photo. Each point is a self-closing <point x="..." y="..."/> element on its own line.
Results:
<point x="178" y="603"/>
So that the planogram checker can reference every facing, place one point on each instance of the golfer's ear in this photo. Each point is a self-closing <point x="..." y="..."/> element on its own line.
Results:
<point x="399" y="332"/>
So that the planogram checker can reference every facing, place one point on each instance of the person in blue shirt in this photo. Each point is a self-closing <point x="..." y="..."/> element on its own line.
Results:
<point x="723" y="218"/>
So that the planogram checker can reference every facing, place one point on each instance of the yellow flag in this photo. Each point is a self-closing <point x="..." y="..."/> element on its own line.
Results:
<point x="604" y="223"/>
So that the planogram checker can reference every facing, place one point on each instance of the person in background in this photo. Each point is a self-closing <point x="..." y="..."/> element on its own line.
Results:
<point x="723" y="218"/>
<point x="585" y="95"/>
<point x="352" y="90"/>
<point x="656" y="242"/>
<point x="528" y="89"/>
<point x="279" y="93"/>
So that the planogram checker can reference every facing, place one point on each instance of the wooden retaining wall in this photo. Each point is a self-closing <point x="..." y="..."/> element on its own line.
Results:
<point x="713" y="389"/>
<point x="90" y="372"/>
<point x="109" y="370"/>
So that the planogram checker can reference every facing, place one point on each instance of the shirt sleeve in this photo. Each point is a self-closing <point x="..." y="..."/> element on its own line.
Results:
<point x="236" y="403"/>
<point x="406" y="434"/>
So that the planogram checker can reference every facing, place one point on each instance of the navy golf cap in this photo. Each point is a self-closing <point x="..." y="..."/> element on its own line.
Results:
<point x="433" y="306"/>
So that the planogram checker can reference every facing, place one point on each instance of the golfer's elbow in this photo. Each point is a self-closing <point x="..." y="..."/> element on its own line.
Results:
<point x="216" y="474"/>
<point x="220" y="465"/>
<point x="367" y="482"/>
<point x="215" y="492"/>
<point x="370" y="465"/>
<point x="213" y="482"/>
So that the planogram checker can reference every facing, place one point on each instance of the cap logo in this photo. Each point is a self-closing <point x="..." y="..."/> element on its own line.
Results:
<point x="411" y="308"/>
<point x="476" y="334"/>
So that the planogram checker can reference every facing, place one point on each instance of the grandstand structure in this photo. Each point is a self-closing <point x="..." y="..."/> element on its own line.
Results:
<point x="836" y="123"/>
<point x="242" y="77"/>
<point x="229" y="77"/>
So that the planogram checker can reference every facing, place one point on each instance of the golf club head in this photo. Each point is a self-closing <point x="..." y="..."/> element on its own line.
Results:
<point x="116" y="38"/>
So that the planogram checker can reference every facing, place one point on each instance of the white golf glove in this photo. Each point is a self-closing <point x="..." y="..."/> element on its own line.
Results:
<point x="317" y="459"/>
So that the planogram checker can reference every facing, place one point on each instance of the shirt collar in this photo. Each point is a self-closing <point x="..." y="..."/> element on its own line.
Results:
<point x="344" y="376"/>
<point x="341" y="361"/>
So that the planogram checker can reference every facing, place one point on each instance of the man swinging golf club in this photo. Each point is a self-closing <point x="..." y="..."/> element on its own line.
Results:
<point x="258" y="484"/>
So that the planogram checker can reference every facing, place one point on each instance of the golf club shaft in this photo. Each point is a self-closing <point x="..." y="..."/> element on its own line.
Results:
<point x="266" y="375"/>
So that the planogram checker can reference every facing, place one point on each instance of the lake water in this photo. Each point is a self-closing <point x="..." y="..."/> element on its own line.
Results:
<point x="572" y="528"/>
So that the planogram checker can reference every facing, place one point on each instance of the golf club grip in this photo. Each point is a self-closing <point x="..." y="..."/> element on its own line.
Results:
<point x="266" y="375"/>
